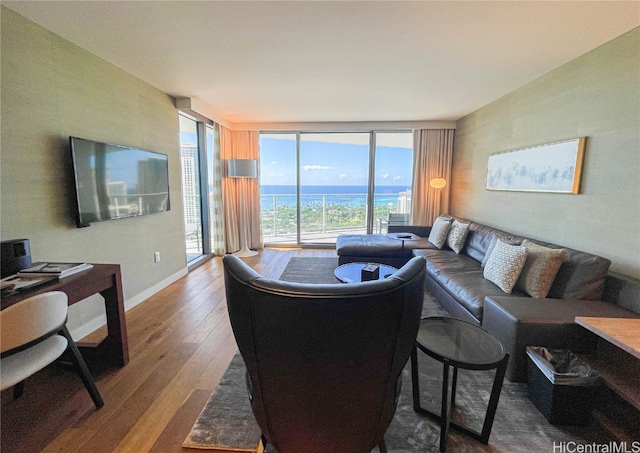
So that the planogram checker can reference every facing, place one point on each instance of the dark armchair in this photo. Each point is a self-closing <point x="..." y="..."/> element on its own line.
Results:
<point x="324" y="361"/>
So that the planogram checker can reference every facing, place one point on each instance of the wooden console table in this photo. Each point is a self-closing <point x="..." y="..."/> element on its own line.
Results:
<point x="618" y="361"/>
<point x="622" y="332"/>
<point x="103" y="279"/>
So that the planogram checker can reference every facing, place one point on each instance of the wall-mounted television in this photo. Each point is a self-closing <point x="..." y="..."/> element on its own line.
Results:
<point x="115" y="182"/>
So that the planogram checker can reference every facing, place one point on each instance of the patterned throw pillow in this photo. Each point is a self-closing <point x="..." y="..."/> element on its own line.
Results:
<point x="492" y="244"/>
<point x="539" y="269"/>
<point x="505" y="264"/>
<point x="457" y="235"/>
<point x="439" y="231"/>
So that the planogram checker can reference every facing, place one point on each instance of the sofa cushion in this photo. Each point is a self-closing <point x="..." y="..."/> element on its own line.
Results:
<point x="440" y="231"/>
<point x="457" y="235"/>
<point x="505" y="265"/>
<point x="479" y="238"/>
<point x="462" y="277"/>
<point x="539" y="269"/>
<point x="581" y="275"/>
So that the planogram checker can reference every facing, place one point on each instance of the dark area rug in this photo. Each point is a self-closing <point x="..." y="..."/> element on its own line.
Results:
<point x="227" y="423"/>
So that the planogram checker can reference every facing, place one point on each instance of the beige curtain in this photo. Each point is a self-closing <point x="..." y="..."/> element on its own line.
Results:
<point x="432" y="158"/>
<point x="240" y="145"/>
<point x="216" y="214"/>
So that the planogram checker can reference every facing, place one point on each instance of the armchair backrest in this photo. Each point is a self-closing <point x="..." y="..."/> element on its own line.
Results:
<point x="324" y="360"/>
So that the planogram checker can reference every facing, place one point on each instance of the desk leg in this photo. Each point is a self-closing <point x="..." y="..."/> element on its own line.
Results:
<point x="117" y="341"/>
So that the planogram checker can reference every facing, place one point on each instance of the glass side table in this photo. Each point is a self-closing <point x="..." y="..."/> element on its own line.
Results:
<point x="458" y="344"/>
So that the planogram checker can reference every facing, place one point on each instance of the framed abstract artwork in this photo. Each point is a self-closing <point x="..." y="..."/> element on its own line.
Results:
<point x="555" y="167"/>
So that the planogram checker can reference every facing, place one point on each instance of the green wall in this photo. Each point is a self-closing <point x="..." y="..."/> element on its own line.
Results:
<point x="52" y="89"/>
<point x="597" y="96"/>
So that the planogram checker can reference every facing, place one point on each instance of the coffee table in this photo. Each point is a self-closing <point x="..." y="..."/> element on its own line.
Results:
<point x="458" y="344"/>
<point x="350" y="272"/>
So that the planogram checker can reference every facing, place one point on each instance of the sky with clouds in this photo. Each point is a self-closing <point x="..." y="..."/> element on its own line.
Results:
<point x="331" y="163"/>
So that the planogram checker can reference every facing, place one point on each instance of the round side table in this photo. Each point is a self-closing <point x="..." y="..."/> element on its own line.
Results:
<point x="458" y="344"/>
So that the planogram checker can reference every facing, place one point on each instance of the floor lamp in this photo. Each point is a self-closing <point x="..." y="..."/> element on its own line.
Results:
<point x="243" y="168"/>
<point x="438" y="184"/>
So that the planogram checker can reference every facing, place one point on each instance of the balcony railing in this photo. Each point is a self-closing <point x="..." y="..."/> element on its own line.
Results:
<point x="322" y="216"/>
<point x="192" y="226"/>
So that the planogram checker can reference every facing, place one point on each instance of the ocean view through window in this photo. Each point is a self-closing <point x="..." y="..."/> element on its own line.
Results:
<point x="316" y="186"/>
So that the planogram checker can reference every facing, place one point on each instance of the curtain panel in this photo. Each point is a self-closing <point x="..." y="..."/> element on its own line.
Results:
<point x="216" y="212"/>
<point x="240" y="145"/>
<point x="432" y="158"/>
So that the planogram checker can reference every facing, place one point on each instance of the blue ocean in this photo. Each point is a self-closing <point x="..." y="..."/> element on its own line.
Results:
<point x="349" y="195"/>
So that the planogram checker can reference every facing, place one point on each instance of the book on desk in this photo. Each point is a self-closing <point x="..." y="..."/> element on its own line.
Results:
<point x="53" y="269"/>
<point x="12" y="284"/>
<point x="38" y="274"/>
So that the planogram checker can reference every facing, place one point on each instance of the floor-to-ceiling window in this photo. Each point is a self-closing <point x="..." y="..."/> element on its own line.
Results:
<point x="190" y="159"/>
<point x="278" y="187"/>
<point x="316" y="186"/>
<point x="392" y="179"/>
<point x="196" y="144"/>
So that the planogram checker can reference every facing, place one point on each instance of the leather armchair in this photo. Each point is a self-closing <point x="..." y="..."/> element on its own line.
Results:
<point x="324" y="361"/>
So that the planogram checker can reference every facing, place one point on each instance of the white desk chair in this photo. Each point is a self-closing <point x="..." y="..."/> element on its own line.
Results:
<point x="33" y="334"/>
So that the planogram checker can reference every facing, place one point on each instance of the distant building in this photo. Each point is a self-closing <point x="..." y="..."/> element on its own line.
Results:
<point x="404" y="202"/>
<point x="190" y="186"/>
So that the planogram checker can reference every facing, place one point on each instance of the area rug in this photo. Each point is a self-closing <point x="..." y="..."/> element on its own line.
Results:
<point x="227" y="423"/>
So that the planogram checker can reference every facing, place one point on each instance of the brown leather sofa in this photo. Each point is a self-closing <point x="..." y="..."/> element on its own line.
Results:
<point x="582" y="287"/>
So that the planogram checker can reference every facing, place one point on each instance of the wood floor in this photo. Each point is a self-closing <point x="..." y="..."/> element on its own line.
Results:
<point x="180" y="344"/>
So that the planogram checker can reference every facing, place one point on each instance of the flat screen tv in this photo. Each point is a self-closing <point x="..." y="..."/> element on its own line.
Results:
<point x="115" y="182"/>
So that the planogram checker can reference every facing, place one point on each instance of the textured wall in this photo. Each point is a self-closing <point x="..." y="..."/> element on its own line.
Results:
<point x="52" y="89"/>
<point x="597" y="96"/>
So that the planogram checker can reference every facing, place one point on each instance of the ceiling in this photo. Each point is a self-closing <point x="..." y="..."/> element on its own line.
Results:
<point x="336" y="61"/>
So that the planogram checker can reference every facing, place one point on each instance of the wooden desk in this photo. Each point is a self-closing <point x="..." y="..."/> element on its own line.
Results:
<point x="103" y="279"/>
<point x="618" y="361"/>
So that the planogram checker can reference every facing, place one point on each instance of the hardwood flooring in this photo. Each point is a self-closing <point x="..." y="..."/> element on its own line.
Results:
<point x="180" y="344"/>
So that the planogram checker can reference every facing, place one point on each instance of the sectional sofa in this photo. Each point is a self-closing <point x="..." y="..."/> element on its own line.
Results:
<point x="581" y="286"/>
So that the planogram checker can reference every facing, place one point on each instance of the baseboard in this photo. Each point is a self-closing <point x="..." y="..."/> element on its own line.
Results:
<point x="101" y="320"/>
<point x="144" y="295"/>
<point x="88" y="327"/>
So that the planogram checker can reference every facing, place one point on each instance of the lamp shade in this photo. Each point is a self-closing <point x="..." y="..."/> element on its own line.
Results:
<point x="242" y="168"/>
<point x="438" y="183"/>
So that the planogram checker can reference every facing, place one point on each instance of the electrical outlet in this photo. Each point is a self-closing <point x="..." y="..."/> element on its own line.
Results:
<point x="156" y="257"/>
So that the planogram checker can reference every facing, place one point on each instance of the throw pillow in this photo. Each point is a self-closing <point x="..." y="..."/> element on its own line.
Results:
<point x="439" y="231"/>
<point x="505" y="264"/>
<point x="492" y="244"/>
<point x="457" y="235"/>
<point x="539" y="269"/>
